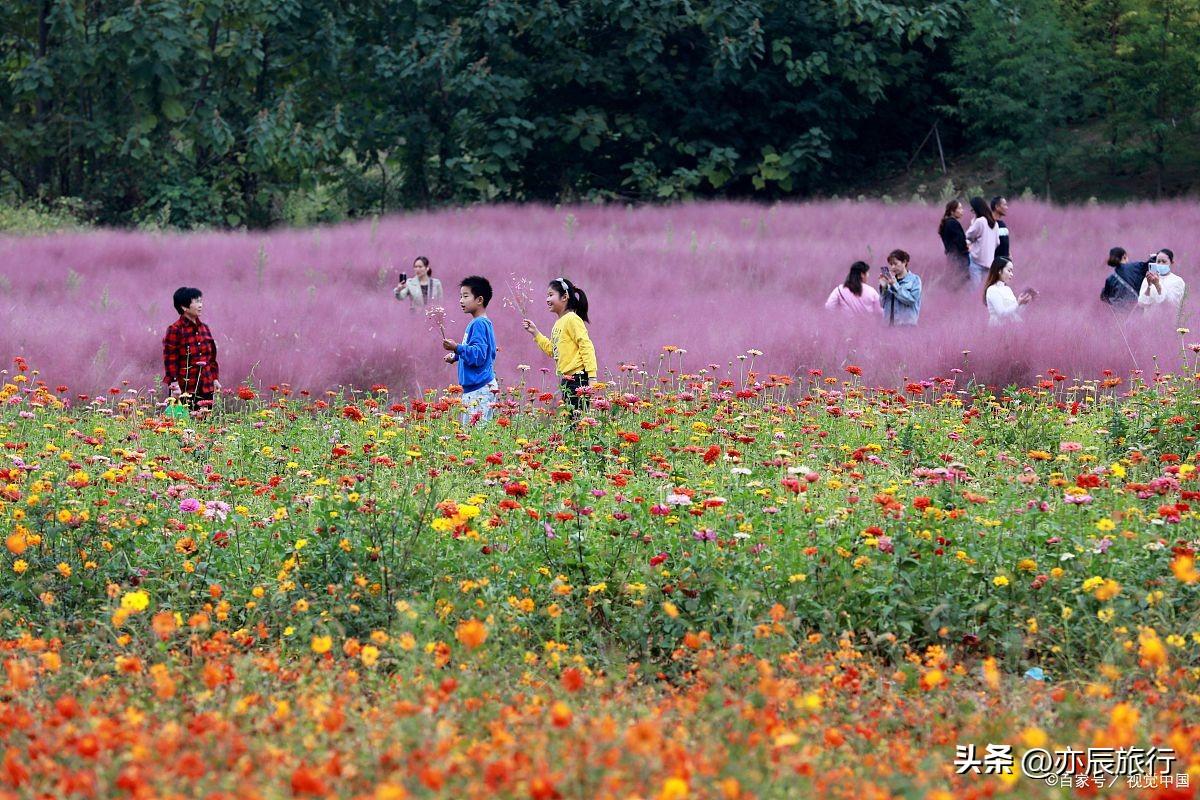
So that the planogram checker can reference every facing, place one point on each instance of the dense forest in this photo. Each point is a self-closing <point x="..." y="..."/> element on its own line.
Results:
<point x="252" y="112"/>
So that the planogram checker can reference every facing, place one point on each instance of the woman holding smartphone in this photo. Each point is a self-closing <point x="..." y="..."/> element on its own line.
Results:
<point x="420" y="290"/>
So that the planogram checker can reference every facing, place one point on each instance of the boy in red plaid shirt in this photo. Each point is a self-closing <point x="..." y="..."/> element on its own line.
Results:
<point x="189" y="353"/>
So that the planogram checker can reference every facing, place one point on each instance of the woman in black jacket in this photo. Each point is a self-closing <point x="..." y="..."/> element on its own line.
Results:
<point x="954" y="240"/>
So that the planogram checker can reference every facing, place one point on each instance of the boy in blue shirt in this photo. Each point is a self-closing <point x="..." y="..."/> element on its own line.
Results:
<point x="476" y="356"/>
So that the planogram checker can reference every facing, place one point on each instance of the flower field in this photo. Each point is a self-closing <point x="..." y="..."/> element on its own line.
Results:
<point x="719" y="583"/>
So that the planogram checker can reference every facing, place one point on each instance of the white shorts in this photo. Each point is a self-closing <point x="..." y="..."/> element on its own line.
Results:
<point x="482" y="401"/>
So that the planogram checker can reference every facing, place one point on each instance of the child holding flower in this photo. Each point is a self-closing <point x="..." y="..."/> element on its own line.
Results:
<point x="476" y="355"/>
<point x="568" y="344"/>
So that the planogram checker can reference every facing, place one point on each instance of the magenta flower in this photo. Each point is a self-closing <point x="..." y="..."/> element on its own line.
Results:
<point x="189" y="506"/>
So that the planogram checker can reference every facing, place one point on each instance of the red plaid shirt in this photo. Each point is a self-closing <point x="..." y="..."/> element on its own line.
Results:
<point x="190" y="357"/>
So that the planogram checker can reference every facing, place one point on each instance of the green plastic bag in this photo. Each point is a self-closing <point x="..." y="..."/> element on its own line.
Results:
<point x="176" y="409"/>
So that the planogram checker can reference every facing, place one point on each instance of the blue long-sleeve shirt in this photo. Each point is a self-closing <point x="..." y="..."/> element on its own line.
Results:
<point x="476" y="356"/>
<point x="902" y="302"/>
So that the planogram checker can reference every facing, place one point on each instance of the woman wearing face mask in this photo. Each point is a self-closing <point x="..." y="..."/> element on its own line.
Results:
<point x="421" y="289"/>
<point x="1002" y="303"/>
<point x="1161" y="284"/>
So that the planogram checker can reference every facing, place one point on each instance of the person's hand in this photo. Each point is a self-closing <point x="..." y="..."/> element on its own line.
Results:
<point x="1024" y="299"/>
<point x="529" y="326"/>
<point x="216" y="385"/>
<point x="449" y="358"/>
<point x="1154" y="279"/>
<point x="175" y="390"/>
<point x="449" y="344"/>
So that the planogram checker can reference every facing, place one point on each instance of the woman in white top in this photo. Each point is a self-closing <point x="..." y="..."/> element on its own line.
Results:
<point x="421" y="289"/>
<point x="1002" y="304"/>
<point x="982" y="239"/>
<point x="1161" y="285"/>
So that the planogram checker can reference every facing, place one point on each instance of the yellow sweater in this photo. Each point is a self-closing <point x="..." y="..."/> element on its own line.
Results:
<point x="570" y="346"/>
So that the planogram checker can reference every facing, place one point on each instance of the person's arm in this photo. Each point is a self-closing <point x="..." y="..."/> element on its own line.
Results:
<point x="212" y="362"/>
<point x="1175" y="292"/>
<point x="587" y="352"/>
<point x="171" y="365"/>
<point x="473" y="351"/>
<point x="401" y="292"/>
<point x="960" y="239"/>
<point x="544" y="343"/>
<point x="906" y="294"/>
<point x="832" y="301"/>
<point x="976" y="229"/>
<point x="435" y="289"/>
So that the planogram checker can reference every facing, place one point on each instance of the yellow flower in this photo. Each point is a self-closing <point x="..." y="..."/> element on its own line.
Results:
<point x="64" y="569"/>
<point x="369" y="655"/>
<point x="1092" y="583"/>
<point x="1107" y="591"/>
<point x="673" y="789"/>
<point x="19" y="566"/>
<point x="135" y="601"/>
<point x="670" y="609"/>
<point x="1000" y="580"/>
<point x="322" y="644"/>
<point x="1034" y="737"/>
<point x="1105" y="525"/>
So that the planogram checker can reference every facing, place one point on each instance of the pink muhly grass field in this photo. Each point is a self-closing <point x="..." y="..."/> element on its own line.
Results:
<point x="314" y="308"/>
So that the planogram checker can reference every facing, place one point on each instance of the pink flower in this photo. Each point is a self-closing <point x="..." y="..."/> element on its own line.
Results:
<point x="189" y="506"/>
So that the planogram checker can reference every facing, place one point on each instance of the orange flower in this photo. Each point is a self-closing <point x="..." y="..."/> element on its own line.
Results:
<point x="17" y="542"/>
<point x="1185" y="570"/>
<point x="572" y="679"/>
<point x="560" y="714"/>
<point x="306" y="780"/>
<point x="1151" y="650"/>
<point x="471" y="633"/>
<point x="163" y="624"/>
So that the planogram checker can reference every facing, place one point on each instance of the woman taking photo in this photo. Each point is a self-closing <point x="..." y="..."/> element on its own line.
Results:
<point x="421" y="289"/>
<point x="854" y="296"/>
<point x="1002" y="303"/>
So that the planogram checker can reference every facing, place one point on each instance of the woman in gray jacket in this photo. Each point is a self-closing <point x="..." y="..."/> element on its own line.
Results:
<point x="421" y="289"/>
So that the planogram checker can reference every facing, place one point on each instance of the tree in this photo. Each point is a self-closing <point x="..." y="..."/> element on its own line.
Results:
<point x="1019" y="82"/>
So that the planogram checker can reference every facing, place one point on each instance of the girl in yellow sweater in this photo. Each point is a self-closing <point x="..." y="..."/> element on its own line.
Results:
<point x="569" y="344"/>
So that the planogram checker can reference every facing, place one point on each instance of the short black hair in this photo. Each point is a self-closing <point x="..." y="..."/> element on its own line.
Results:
<point x="184" y="296"/>
<point x="898" y="255"/>
<point x="479" y="286"/>
<point x="1115" y="255"/>
<point x="997" y="200"/>
<point x="1170" y="253"/>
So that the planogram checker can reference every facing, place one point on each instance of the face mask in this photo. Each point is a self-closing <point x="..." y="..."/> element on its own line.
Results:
<point x="1161" y="269"/>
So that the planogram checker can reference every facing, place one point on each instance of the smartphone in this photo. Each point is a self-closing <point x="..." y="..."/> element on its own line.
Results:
<point x="403" y="278"/>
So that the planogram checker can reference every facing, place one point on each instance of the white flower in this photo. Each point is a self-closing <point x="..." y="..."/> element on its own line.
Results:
<point x="740" y="471"/>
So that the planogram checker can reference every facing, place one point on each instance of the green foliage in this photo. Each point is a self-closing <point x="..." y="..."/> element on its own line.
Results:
<point x="251" y="112"/>
<point x="35" y="218"/>
<point x="1019" y="80"/>
<point x="246" y="113"/>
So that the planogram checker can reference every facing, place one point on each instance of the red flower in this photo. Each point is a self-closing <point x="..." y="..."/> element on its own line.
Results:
<point x="516" y="489"/>
<point x="853" y="370"/>
<point x="350" y="412"/>
<point x="712" y="454"/>
<point x="245" y="393"/>
<point x="921" y="503"/>
<point x="560" y="476"/>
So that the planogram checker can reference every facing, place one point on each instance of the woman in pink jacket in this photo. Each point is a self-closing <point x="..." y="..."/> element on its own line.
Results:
<point x="982" y="239"/>
<point x="855" y="296"/>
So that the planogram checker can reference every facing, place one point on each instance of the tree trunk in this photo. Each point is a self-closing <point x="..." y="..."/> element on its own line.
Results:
<point x="45" y="163"/>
